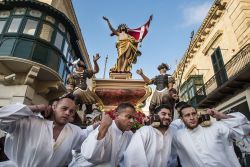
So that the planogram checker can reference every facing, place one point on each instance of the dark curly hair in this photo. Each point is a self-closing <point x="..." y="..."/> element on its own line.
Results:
<point x="163" y="65"/>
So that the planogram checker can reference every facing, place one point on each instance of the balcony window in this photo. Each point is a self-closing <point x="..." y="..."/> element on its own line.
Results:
<point x="35" y="13"/>
<point x="61" y="68"/>
<point x="2" y="24"/>
<point x="61" y="27"/>
<point x="23" y="49"/>
<point x="50" y="19"/>
<point x="45" y="56"/>
<point x="58" y="40"/>
<point x="65" y="50"/>
<point x="30" y="27"/>
<point x="15" y="24"/>
<point x="189" y="88"/>
<point x="53" y="60"/>
<point x="4" y="14"/>
<point x="46" y="32"/>
<point x="7" y="46"/>
<point x="219" y="67"/>
<point x="20" y="11"/>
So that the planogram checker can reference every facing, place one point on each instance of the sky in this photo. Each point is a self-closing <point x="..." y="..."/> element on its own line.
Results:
<point x="168" y="37"/>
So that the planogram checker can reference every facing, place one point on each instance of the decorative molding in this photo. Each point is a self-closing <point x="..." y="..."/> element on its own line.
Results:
<point x="209" y="22"/>
<point x="191" y="69"/>
<point x="212" y="41"/>
<point x="30" y="77"/>
<point x="45" y="87"/>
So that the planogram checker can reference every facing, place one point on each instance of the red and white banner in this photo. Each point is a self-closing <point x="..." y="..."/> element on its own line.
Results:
<point x="141" y="32"/>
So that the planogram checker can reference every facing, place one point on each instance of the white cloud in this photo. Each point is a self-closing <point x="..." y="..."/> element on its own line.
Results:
<point x="195" y="14"/>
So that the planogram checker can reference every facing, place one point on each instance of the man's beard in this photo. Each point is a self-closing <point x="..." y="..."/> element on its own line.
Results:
<point x="164" y="125"/>
<point x="191" y="127"/>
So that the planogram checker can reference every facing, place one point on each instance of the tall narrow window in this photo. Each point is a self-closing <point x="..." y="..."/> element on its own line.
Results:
<point x="7" y="46"/>
<point x="61" y="68"/>
<point x="15" y="24"/>
<point x="30" y="27"/>
<point x="219" y="68"/>
<point x="46" y="32"/>
<point x="2" y="24"/>
<point x="65" y="50"/>
<point x="58" y="40"/>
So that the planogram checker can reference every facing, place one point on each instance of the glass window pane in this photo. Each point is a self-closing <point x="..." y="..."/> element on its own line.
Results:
<point x="35" y="13"/>
<point x="2" y="24"/>
<point x="30" y="27"/>
<point x="61" y="68"/>
<point x="46" y="32"/>
<point x="59" y="40"/>
<point x="40" y="54"/>
<point x="68" y="36"/>
<point x="7" y="46"/>
<point x="69" y="58"/>
<point x="15" y="24"/>
<point x="53" y="60"/>
<point x="61" y="27"/>
<point x="23" y="49"/>
<point x="20" y="11"/>
<point x="50" y="19"/>
<point x="65" y="76"/>
<point x="4" y="14"/>
<point x="45" y="56"/>
<point x="65" y="50"/>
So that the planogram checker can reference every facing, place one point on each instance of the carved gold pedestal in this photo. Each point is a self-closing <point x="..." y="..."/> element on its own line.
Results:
<point x="112" y="92"/>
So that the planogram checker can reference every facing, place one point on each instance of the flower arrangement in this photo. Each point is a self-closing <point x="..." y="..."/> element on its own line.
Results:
<point x="139" y="117"/>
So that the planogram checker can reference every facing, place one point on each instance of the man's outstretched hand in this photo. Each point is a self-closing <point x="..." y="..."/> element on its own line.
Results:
<point x="97" y="57"/>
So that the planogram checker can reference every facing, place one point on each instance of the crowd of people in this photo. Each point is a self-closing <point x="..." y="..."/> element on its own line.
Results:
<point x="34" y="139"/>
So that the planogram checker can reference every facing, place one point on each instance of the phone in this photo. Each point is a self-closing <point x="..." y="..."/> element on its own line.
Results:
<point x="155" y="120"/>
<point x="204" y="120"/>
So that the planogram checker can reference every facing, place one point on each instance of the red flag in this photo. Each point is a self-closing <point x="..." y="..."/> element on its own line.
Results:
<point x="141" y="32"/>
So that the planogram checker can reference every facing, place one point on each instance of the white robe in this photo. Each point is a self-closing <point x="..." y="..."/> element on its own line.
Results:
<point x="30" y="142"/>
<point x="107" y="151"/>
<point x="210" y="146"/>
<point x="151" y="148"/>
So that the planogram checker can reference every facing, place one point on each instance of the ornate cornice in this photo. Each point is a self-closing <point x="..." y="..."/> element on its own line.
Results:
<point x="208" y="24"/>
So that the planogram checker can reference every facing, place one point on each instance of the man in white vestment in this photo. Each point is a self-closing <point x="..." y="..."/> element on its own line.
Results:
<point x="106" y="144"/>
<point x="33" y="141"/>
<point x="151" y="146"/>
<point x="199" y="146"/>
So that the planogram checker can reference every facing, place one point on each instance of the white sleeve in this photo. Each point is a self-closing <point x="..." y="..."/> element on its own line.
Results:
<point x="12" y="113"/>
<point x="238" y="124"/>
<point x="97" y="151"/>
<point x="86" y="132"/>
<point x="135" y="149"/>
<point x="177" y="124"/>
<point x="82" y="134"/>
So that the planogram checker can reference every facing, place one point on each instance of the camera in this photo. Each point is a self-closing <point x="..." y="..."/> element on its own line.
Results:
<point x="154" y="120"/>
<point x="204" y="120"/>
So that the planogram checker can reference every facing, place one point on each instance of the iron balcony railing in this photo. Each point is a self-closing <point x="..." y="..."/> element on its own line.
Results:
<point x="238" y="63"/>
